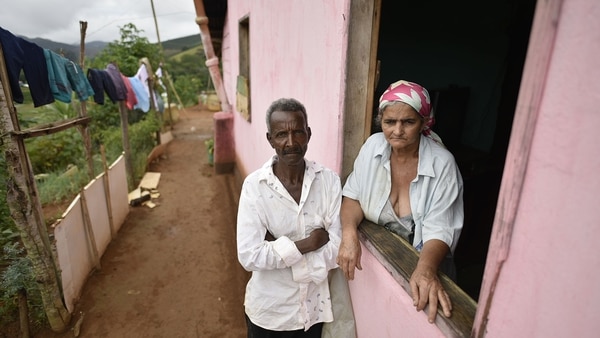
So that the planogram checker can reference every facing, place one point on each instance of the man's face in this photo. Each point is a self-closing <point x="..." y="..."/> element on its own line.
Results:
<point x="289" y="136"/>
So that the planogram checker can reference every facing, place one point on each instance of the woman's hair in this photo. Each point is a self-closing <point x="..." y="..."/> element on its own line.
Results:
<point x="285" y="104"/>
<point x="412" y="94"/>
<point x="415" y="96"/>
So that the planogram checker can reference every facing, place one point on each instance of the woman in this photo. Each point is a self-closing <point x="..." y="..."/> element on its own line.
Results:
<point x="405" y="180"/>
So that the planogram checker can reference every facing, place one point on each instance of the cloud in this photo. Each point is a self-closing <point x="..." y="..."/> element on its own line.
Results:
<point x="58" y="20"/>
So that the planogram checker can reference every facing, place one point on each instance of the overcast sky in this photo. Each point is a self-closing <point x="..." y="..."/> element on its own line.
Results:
<point x="58" y="20"/>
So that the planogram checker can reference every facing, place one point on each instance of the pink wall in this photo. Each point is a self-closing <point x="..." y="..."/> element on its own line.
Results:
<point x="382" y="307"/>
<point x="308" y="67"/>
<point x="548" y="286"/>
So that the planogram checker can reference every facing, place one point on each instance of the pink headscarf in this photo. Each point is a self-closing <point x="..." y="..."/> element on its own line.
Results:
<point x="415" y="96"/>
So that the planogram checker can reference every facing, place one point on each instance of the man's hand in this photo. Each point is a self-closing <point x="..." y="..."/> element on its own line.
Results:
<point x="319" y="238"/>
<point x="426" y="288"/>
<point x="349" y="254"/>
<point x="315" y="240"/>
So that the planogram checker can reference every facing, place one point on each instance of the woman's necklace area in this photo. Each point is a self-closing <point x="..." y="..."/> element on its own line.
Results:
<point x="403" y="172"/>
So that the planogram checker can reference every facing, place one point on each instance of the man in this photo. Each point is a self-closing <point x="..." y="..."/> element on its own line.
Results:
<point x="288" y="232"/>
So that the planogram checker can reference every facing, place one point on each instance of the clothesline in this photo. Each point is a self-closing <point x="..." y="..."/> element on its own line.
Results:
<point x="51" y="77"/>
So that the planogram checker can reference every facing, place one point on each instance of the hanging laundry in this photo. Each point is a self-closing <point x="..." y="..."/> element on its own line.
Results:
<point x="142" y="75"/>
<point x="131" y="98"/>
<point x="115" y="75"/>
<point x="145" y="75"/>
<point x="21" y="54"/>
<point x="143" y="100"/>
<point x="64" y="77"/>
<point x="79" y="82"/>
<point x="159" y="74"/>
<point x="160" y="104"/>
<point x="101" y="83"/>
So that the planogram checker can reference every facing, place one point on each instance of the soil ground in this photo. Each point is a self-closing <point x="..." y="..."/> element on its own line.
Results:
<point x="172" y="270"/>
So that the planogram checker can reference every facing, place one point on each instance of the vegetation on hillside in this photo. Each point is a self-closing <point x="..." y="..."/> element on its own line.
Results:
<point x="177" y="46"/>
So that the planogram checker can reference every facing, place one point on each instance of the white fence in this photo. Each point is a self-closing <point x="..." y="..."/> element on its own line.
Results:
<point x="87" y="227"/>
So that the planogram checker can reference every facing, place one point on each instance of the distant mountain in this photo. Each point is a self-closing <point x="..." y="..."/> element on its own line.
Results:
<point x="92" y="48"/>
<point x="71" y="52"/>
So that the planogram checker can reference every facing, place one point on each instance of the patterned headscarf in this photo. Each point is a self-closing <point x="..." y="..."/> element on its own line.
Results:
<point x="415" y="96"/>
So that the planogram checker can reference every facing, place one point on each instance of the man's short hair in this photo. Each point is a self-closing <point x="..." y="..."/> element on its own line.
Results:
<point x="285" y="104"/>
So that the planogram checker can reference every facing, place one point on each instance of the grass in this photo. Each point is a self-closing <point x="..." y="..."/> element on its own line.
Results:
<point x="192" y="51"/>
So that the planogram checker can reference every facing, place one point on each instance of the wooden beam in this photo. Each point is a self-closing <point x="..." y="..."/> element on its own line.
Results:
<point x="51" y="128"/>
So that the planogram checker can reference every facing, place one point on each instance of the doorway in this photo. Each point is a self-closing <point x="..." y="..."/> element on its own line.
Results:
<point x="470" y="57"/>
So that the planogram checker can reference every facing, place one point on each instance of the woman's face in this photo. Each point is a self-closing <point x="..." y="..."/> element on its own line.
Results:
<point x="402" y="126"/>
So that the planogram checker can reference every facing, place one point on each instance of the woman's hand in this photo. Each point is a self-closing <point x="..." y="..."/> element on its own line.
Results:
<point x="425" y="284"/>
<point x="348" y="258"/>
<point x="349" y="254"/>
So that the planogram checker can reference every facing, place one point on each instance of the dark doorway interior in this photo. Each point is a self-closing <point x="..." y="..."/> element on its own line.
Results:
<point x="470" y="56"/>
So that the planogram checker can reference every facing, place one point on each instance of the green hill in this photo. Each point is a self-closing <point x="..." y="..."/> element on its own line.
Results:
<point x="198" y="50"/>
<point x="182" y="45"/>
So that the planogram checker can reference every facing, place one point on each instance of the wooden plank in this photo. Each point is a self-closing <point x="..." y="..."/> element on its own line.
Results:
<point x="51" y="128"/>
<point x="150" y="181"/>
<point x="89" y="231"/>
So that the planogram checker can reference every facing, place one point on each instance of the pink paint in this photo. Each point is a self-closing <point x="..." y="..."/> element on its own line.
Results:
<point x="224" y="155"/>
<point x="382" y="307"/>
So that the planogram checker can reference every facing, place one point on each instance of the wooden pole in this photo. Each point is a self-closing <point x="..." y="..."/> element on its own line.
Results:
<point x="156" y="24"/>
<point x="89" y="231"/>
<point x="84" y="129"/>
<point x="106" y="181"/>
<point x="125" y="137"/>
<point x="167" y="76"/>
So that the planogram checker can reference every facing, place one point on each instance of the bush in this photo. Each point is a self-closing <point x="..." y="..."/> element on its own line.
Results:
<point x="18" y="276"/>
<point x="8" y="230"/>
<point x="188" y="88"/>
<point x="56" y="151"/>
<point x="142" y="139"/>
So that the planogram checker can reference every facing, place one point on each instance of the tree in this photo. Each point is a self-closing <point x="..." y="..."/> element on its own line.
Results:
<point x="26" y="212"/>
<point x="128" y="51"/>
<point x="189" y="75"/>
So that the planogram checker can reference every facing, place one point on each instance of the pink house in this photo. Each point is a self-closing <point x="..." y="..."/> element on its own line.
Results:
<point x="515" y="85"/>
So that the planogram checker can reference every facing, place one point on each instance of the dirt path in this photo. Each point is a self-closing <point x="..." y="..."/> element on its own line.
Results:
<point x="172" y="271"/>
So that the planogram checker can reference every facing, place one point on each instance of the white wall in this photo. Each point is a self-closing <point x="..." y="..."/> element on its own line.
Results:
<point x="74" y="249"/>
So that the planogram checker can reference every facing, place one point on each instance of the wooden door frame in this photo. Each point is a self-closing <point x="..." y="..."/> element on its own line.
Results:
<point x="361" y="76"/>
